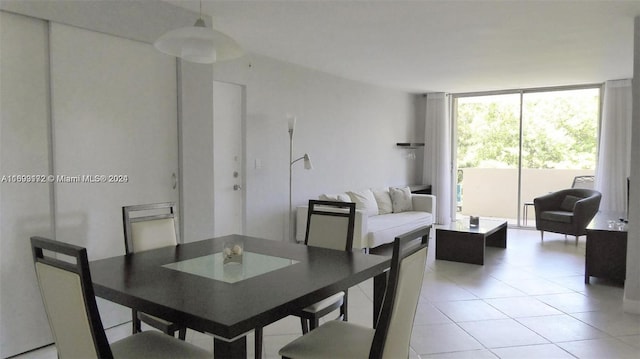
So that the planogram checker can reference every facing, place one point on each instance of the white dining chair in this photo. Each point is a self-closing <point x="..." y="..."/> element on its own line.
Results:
<point x="330" y="224"/>
<point x="151" y="226"/>
<point x="390" y="339"/>
<point x="70" y="305"/>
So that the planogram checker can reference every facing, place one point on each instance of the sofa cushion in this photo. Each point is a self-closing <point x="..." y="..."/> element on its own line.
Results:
<point x="569" y="202"/>
<point x="557" y="216"/>
<point x="365" y="201"/>
<point x="385" y="227"/>
<point x="340" y="197"/>
<point x="401" y="199"/>
<point x="383" y="198"/>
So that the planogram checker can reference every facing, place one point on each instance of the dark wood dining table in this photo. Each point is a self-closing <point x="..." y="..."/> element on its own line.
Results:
<point x="156" y="282"/>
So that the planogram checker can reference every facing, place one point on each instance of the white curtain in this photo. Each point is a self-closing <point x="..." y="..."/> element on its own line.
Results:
<point x="437" y="154"/>
<point x="615" y="146"/>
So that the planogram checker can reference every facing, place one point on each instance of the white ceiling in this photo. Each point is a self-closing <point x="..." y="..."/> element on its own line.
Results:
<point x="451" y="46"/>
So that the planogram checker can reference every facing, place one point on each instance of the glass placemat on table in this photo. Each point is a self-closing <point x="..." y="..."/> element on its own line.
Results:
<point x="213" y="266"/>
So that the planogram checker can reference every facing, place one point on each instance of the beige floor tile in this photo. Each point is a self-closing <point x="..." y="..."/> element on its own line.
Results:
<point x="518" y="307"/>
<point x="561" y="328"/>
<point x="600" y="348"/>
<point x="470" y="354"/>
<point x="547" y="351"/>
<point x="442" y="338"/>
<point x="502" y="333"/>
<point x="469" y="310"/>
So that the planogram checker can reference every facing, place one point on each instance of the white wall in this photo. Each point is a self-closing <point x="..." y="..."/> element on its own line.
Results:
<point x="25" y="209"/>
<point x="196" y="151"/>
<point x="349" y="129"/>
<point x="31" y="136"/>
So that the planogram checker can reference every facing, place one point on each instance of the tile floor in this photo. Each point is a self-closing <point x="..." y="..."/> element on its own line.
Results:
<point x="527" y="301"/>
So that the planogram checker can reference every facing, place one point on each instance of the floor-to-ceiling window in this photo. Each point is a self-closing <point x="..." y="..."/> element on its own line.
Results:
<point x="515" y="145"/>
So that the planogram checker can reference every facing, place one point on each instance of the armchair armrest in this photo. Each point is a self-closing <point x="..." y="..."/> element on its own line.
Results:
<point x="424" y="203"/>
<point x="360" y="230"/>
<point x="585" y="209"/>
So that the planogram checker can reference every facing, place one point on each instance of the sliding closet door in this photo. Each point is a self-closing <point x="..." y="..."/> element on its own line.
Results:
<point x="115" y="123"/>
<point x="25" y="208"/>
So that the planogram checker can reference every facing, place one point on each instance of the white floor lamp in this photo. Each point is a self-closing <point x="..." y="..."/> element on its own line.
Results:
<point x="307" y="166"/>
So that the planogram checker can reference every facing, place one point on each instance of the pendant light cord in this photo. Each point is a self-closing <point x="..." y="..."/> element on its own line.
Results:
<point x="200" y="21"/>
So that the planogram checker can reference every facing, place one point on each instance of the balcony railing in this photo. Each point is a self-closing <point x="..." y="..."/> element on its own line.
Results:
<point x="493" y="192"/>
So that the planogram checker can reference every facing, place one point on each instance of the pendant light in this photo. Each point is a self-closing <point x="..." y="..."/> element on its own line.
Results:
<point x="198" y="43"/>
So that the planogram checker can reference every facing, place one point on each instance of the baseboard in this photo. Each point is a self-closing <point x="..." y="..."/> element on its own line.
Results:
<point x="631" y="306"/>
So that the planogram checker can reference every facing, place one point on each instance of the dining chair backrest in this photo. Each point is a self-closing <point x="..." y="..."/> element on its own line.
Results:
<point x="408" y="262"/>
<point x="583" y="182"/>
<point x="69" y="300"/>
<point x="149" y="226"/>
<point x="330" y="224"/>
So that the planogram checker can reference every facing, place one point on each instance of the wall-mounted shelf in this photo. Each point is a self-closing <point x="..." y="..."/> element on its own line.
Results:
<point x="409" y="144"/>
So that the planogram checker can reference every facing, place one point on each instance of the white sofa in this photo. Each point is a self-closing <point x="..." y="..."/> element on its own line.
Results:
<point x="374" y="225"/>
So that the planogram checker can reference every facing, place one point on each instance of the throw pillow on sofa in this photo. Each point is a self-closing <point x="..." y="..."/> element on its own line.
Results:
<point x="340" y="197"/>
<point x="401" y="199"/>
<point x="383" y="198"/>
<point x="365" y="200"/>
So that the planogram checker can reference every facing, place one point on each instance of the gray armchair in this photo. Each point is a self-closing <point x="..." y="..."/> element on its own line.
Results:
<point x="567" y="211"/>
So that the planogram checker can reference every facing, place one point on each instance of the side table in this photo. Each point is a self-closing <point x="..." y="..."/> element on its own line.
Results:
<point x="525" y="212"/>
<point x="606" y="250"/>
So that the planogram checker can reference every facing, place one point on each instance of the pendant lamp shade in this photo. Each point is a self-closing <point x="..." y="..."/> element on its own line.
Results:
<point x="199" y="44"/>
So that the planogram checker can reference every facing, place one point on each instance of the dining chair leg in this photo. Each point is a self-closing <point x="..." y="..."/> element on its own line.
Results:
<point x="135" y="322"/>
<point x="258" y="343"/>
<point x="305" y="326"/>
<point x="314" y="323"/>
<point x="345" y="306"/>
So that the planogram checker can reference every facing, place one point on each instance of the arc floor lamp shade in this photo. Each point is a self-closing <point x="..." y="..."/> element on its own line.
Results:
<point x="198" y="43"/>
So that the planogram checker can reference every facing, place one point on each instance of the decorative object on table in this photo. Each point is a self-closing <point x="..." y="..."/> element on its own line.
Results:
<point x="307" y="166"/>
<point x="232" y="252"/>
<point x="198" y="43"/>
<point x="474" y="221"/>
<point x="233" y="270"/>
